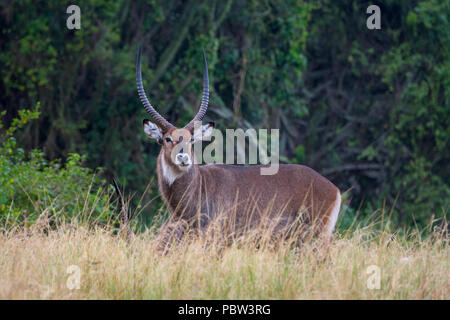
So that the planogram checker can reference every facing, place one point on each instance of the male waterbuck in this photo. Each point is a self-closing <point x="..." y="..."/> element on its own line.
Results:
<point x="198" y="194"/>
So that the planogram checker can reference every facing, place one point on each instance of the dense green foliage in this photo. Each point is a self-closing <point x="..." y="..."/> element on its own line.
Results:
<point x="369" y="109"/>
<point x="389" y="92"/>
<point x="30" y="185"/>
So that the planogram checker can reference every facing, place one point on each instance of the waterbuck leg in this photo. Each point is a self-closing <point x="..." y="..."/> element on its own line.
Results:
<point x="170" y="233"/>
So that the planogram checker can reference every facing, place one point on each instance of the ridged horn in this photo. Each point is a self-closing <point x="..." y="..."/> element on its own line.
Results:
<point x="160" y="121"/>
<point x="205" y="98"/>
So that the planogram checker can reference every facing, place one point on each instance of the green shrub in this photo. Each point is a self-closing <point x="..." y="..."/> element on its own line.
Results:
<point x="31" y="185"/>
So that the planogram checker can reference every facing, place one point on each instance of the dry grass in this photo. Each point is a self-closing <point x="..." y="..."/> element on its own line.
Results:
<point x="34" y="265"/>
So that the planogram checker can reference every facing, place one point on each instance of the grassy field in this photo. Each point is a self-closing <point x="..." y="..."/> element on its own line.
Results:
<point x="46" y="265"/>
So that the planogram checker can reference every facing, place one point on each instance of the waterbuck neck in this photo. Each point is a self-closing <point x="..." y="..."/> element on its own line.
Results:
<point x="174" y="184"/>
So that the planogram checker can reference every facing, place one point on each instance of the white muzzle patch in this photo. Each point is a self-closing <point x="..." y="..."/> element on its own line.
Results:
<point x="183" y="160"/>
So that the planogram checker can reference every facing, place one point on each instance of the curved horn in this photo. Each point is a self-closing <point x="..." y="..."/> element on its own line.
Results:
<point x="205" y="98"/>
<point x="160" y="121"/>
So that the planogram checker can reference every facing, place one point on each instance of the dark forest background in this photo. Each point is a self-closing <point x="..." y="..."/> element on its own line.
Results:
<point x="368" y="109"/>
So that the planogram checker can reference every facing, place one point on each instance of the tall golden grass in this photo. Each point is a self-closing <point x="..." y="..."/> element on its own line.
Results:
<point x="45" y="260"/>
<point x="35" y="264"/>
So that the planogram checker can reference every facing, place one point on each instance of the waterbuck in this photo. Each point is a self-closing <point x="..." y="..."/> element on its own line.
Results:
<point x="198" y="194"/>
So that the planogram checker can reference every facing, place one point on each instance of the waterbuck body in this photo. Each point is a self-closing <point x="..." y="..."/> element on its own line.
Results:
<point x="213" y="189"/>
<point x="198" y="194"/>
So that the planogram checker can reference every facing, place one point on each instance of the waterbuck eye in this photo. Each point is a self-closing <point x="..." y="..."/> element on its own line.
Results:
<point x="168" y="139"/>
<point x="192" y="139"/>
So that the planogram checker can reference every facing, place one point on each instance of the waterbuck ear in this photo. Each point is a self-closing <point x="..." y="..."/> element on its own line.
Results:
<point x="205" y="132"/>
<point x="152" y="130"/>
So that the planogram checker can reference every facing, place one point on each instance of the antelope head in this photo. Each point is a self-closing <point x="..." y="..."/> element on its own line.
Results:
<point x="176" y="143"/>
